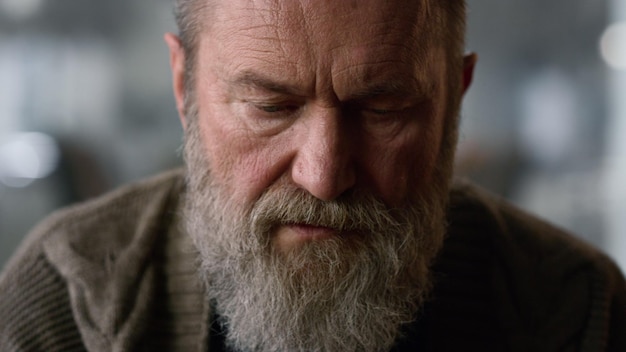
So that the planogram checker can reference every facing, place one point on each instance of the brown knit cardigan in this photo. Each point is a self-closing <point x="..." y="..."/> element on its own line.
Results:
<point x="118" y="274"/>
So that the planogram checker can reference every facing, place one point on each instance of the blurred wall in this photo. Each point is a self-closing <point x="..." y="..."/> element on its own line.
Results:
<point x="92" y="79"/>
<point x="534" y="120"/>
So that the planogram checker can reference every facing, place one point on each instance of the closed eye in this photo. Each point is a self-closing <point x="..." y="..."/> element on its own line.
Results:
<point x="382" y="111"/>
<point x="276" y="109"/>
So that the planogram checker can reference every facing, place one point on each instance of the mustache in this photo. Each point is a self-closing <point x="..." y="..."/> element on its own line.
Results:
<point x="354" y="211"/>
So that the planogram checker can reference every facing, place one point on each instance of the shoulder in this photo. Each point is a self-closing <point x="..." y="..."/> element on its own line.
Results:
<point x="518" y="235"/>
<point x="105" y="227"/>
<point x="111" y="218"/>
<point x="77" y="259"/>
<point x="545" y="281"/>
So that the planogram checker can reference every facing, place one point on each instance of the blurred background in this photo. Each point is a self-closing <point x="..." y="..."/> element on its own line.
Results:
<point x="86" y="105"/>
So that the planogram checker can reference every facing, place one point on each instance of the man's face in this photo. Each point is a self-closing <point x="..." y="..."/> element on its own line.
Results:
<point x="318" y="164"/>
<point x="328" y="96"/>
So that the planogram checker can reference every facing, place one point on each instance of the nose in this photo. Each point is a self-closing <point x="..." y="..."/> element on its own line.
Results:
<point x="324" y="164"/>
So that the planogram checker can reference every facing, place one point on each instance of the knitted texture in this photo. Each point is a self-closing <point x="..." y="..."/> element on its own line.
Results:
<point x="38" y="318"/>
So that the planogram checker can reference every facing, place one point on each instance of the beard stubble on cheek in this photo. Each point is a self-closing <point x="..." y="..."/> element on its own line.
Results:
<point x="349" y="292"/>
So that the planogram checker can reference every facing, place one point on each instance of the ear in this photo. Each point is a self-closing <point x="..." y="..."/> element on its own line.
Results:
<point x="469" y="62"/>
<point x="177" y="64"/>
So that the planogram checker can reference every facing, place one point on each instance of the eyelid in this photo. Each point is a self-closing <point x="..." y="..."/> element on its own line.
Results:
<point x="383" y="111"/>
<point x="276" y="107"/>
<point x="270" y="108"/>
<point x="385" y="108"/>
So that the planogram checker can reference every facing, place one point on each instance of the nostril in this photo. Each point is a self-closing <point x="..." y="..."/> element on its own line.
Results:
<point x="323" y="179"/>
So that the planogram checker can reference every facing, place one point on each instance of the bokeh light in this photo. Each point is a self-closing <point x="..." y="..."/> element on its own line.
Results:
<point x="26" y="157"/>
<point x="20" y="9"/>
<point x="613" y="46"/>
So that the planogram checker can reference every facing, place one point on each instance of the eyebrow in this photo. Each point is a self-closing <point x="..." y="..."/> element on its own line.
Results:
<point x="394" y="87"/>
<point x="256" y="80"/>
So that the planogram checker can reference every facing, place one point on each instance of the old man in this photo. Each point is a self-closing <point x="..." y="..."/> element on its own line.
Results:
<point x="316" y="211"/>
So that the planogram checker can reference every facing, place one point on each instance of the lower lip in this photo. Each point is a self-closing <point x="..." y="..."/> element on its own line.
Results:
<point x="292" y="236"/>
<point x="301" y="233"/>
<point x="310" y="232"/>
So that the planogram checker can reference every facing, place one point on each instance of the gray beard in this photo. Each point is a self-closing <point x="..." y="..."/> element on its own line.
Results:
<point x="349" y="293"/>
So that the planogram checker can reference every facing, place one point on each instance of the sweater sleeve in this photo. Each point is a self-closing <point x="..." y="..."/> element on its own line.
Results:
<point x="82" y="279"/>
<point x="35" y="312"/>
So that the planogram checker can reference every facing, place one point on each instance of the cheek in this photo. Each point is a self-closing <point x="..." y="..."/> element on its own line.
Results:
<point x="242" y="163"/>
<point x="405" y="165"/>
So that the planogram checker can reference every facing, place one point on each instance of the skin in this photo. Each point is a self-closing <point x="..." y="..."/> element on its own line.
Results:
<point x="329" y="96"/>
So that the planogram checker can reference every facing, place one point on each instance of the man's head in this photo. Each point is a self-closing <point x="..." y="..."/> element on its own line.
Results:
<point x="319" y="145"/>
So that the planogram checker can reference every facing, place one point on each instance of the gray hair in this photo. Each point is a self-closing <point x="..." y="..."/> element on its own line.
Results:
<point x="188" y="21"/>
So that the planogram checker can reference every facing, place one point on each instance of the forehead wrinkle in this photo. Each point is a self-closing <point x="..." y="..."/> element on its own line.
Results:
<point x="414" y="42"/>
<point x="271" y="49"/>
<point x="369" y="80"/>
<point x="258" y="15"/>
<point x="288" y="31"/>
<point x="286" y="25"/>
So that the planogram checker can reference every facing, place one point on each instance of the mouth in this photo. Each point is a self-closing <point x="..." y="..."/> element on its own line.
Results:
<point x="290" y="236"/>
<point x="312" y="232"/>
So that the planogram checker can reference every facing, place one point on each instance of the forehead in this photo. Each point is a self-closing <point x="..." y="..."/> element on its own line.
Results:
<point x="361" y="38"/>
